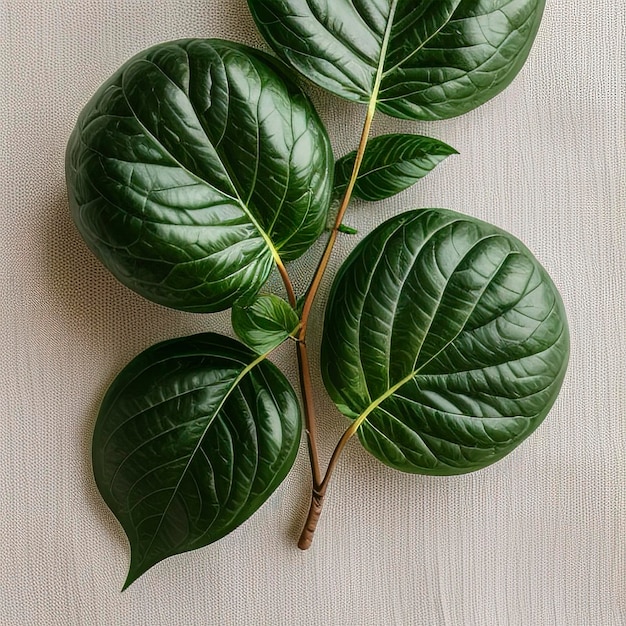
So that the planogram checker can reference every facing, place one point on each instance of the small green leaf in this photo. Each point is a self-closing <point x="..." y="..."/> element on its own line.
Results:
<point x="265" y="323"/>
<point x="445" y="340"/>
<point x="192" y="438"/>
<point x="195" y="168"/>
<point x="426" y="60"/>
<point x="391" y="164"/>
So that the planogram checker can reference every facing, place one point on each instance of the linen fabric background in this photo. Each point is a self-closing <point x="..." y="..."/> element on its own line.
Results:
<point x="537" y="539"/>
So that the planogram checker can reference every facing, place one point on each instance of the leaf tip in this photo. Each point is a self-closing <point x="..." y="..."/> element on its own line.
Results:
<point x="136" y="569"/>
<point x="130" y="579"/>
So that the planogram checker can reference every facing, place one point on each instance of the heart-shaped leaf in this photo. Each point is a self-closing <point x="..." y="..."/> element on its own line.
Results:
<point x="265" y="323"/>
<point x="391" y="164"/>
<point x="196" y="167"/>
<point x="427" y="60"/>
<point x="191" y="439"/>
<point x="445" y="340"/>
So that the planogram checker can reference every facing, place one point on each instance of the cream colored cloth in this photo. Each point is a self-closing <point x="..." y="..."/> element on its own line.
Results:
<point x="537" y="539"/>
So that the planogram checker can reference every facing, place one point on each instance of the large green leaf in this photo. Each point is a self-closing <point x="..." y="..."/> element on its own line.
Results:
<point x="446" y="340"/>
<point x="391" y="164"/>
<point x="430" y="59"/>
<point x="192" y="437"/>
<point x="194" y="167"/>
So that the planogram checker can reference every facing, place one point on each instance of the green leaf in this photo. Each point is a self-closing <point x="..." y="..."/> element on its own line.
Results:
<point x="192" y="438"/>
<point x="426" y="60"/>
<point x="391" y="164"/>
<point x="265" y="323"/>
<point x="348" y="230"/>
<point x="196" y="167"/>
<point x="445" y="340"/>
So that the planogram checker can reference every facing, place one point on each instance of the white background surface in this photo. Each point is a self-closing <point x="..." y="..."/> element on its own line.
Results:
<point x="537" y="539"/>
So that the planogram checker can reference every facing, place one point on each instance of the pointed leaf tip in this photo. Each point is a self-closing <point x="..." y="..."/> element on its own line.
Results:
<point x="191" y="439"/>
<point x="391" y="164"/>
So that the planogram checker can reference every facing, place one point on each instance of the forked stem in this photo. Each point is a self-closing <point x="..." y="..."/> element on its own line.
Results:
<point x="320" y="484"/>
<point x="319" y="493"/>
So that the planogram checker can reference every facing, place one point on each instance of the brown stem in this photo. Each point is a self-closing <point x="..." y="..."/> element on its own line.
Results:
<point x="291" y="295"/>
<point x="310" y="422"/>
<point x="319" y="484"/>
<point x="335" y="456"/>
<point x="306" y="538"/>
<point x="319" y="493"/>
<point x="323" y="264"/>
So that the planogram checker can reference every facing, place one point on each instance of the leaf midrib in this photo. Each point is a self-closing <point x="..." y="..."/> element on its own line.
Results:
<point x="244" y="372"/>
<point x="387" y="166"/>
<point x="421" y="46"/>
<point x="415" y="372"/>
<point x="413" y="375"/>
<point x="380" y="70"/>
<point x="237" y="197"/>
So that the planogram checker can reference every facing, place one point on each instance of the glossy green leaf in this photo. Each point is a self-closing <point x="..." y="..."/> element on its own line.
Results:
<point x="446" y="340"/>
<point x="191" y="439"/>
<point x="265" y="323"/>
<point x="427" y="60"/>
<point x="194" y="168"/>
<point x="391" y="164"/>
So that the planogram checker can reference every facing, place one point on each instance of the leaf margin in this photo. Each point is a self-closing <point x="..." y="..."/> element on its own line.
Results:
<point x="138" y="367"/>
<point x="359" y="418"/>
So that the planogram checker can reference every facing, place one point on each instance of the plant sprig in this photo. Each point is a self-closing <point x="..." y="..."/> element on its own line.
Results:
<point x="200" y="166"/>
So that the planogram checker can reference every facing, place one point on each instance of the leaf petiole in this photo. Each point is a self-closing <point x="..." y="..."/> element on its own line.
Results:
<point x="282" y="270"/>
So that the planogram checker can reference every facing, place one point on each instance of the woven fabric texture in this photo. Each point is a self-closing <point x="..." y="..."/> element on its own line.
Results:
<point x="537" y="539"/>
